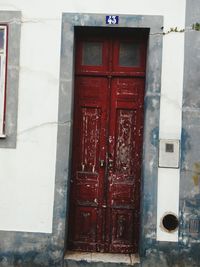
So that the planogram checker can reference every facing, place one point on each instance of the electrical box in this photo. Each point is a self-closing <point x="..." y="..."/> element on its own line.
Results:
<point x="169" y="153"/>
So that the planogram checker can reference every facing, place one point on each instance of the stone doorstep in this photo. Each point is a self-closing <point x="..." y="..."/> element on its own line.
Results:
<point x="128" y="259"/>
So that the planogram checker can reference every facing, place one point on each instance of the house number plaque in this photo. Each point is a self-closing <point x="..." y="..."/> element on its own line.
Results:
<point x="112" y="19"/>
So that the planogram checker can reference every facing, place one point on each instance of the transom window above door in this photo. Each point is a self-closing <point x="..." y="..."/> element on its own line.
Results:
<point x="124" y="55"/>
<point x="92" y="53"/>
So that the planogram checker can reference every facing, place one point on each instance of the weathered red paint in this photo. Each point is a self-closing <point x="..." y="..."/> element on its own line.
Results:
<point x="107" y="146"/>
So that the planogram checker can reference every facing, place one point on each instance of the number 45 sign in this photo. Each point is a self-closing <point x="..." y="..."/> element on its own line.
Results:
<point x="112" y="19"/>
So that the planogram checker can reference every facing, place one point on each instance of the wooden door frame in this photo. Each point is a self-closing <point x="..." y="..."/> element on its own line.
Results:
<point x="151" y="122"/>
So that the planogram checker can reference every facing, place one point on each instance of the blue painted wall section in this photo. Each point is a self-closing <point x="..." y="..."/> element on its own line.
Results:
<point x="190" y="146"/>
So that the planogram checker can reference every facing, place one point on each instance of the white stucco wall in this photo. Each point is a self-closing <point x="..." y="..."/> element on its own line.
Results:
<point x="27" y="173"/>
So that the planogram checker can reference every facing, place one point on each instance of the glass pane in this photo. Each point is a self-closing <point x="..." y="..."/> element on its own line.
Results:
<point x="129" y="54"/>
<point x="92" y="54"/>
<point x="1" y="39"/>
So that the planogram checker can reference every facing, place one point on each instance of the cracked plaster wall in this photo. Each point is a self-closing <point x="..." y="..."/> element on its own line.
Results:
<point x="190" y="146"/>
<point x="28" y="172"/>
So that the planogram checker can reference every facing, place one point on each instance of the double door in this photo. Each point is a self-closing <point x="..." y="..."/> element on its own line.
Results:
<point x="107" y="143"/>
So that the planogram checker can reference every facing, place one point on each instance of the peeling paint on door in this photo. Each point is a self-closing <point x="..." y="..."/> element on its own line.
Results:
<point x="107" y="146"/>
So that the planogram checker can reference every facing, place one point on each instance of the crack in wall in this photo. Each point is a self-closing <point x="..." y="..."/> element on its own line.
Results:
<point x="174" y="29"/>
<point x="64" y="123"/>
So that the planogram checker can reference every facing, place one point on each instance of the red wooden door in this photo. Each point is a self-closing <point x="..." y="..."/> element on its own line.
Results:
<point x="107" y="143"/>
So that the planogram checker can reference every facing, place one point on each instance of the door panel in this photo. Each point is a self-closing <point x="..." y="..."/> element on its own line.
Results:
<point x="124" y="158"/>
<point x="89" y="148"/>
<point x="122" y="229"/>
<point x="86" y="230"/>
<point x="107" y="145"/>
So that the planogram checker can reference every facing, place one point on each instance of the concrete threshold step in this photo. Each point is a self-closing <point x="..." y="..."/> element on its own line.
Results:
<point x="79" y="259"/>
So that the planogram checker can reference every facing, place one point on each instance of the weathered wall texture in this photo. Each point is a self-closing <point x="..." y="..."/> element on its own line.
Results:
<point x="190" y="146"/>
<point x="28" y="171"/>
<point x="186" y="251"/>
<point x="33" y="215"/>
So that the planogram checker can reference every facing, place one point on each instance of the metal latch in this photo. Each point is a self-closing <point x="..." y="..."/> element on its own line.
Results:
<point x="102" y="162"/>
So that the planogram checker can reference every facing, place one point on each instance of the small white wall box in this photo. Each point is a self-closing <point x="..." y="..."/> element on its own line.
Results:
<point x="169" y="153"/>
